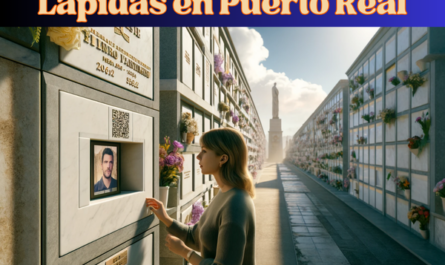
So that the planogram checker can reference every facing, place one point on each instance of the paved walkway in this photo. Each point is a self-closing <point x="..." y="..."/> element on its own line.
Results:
<point x="274" y="245"/>
<point x="327" y="231"/>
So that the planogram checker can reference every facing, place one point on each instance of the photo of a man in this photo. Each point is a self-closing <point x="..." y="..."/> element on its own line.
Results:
<point x="104" y="173"/>
<point x="106" y="182"/>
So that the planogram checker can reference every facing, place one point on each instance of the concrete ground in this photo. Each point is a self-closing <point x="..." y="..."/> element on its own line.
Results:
<point x="274" y="243"/>
<point x="300" y="222"/>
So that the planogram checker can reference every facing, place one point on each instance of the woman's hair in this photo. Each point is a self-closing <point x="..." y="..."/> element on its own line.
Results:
<point x="231" y="143"/>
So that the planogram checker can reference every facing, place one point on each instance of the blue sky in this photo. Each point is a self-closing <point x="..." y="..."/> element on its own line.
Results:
<point x="306" y="63"/>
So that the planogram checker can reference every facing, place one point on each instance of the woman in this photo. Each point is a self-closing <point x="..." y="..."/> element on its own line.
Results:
<point x="225" y="234"/>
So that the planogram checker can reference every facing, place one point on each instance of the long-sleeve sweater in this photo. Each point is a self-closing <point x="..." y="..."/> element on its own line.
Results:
<point x="225" y="234"/>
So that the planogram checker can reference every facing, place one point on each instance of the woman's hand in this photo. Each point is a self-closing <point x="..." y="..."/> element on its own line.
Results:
<point x="176" y="246"/>
<point x="159" y="210"/>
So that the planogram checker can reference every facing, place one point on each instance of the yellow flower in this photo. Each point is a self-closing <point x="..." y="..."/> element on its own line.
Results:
<point x="67" y="37"/>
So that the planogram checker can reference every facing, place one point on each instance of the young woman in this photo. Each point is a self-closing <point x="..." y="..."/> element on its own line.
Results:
<point x="225" y="234"/>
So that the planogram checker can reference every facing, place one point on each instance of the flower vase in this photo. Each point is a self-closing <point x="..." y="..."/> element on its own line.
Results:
<point x="190" y="137"/>
<point x="443" y="204"/>
<point x="424" y="233"/>
<point x="401" y="74"/>
<point x="172" y="197"/>
<point x="163" y="195"/>
<point x="415" y="151"/>
<point x="407" y="194"/>
<point x="421" y="64"/>
<point x="183" y="137"/>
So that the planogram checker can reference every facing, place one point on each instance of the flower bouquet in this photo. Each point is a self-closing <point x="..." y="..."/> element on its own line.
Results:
<point x="422" y="215"/>
<point x="425" y="122"/>
<point x="403" y="183"/>
<point x="189" y="127"/>
<point x="394" y="80"/>
<point x="223" y="107"/>
<point x="360" y="79"/>
<point x="337" y="170"/>
<point x="352" y="85"/>
<point x="197" y="211"/>
<point x="370" y="92"/>
<point x="387" y="115"/>
<point x="227" y="79"/>
<point x="67" y="37"/>
<point x="414" y="81"/>
<point x="353" y="157"/>
<point x="351" y="173"/>
<point x="170" y="165"/>
<point x="346" y="184"/>
<point x="338" y="184"/>
<point x="338" y="110"/>
<point x="218" y="62"/>
<point x="440" y="191"/>
<point x="235" y="119"/>
<point x="355" y="103"/>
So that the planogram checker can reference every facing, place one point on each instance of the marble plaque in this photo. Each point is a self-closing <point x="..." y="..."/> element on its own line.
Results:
<point x="187" y="58"/>
<point x="187" y="175"/>
<point x="207" y="82"/>
<point x="402" y="211"/>
<point x="402" y="40"/>
<point x="83" y="220"/>
<point x="120" y="55"/>
<point x="140" y="252"/>
<point x="199" y="72"/>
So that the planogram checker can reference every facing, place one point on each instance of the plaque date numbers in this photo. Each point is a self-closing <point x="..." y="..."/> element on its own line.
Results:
<point x="132" y="82"/>
<point x="104" y="69"/>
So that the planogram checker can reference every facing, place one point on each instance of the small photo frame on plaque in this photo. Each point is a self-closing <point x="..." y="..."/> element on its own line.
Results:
<point x="105" y="169"/>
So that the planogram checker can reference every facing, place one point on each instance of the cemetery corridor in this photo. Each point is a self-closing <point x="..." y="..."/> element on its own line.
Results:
<point x="322" y="229"/>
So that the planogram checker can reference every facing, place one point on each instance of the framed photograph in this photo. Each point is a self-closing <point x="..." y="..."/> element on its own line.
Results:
<point x="105" y="169"/>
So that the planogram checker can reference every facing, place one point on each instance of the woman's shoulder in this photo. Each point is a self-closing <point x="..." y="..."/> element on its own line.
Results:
<point x="239" y="198"/>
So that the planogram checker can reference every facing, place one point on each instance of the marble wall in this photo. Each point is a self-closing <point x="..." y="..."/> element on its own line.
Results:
<point x="386" y="149"/>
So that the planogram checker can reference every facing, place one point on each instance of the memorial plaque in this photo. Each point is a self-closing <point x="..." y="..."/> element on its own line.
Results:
<point x="118" y="259"/>
<point x="208" y="79"/>
<point x="199" y="72"/>
<point x="186" y="57"/>
<point x="187" y="176"/>
<point x="120" y="55"/>
<point x="207" y="37"/>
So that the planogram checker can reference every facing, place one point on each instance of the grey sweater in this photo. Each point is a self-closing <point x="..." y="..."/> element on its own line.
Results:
<point x="225" y="234"/>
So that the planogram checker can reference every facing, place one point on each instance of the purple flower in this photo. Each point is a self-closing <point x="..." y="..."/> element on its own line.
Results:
<point x="441" y="186"/>
<point x="176" y="146"/>
<point x="372" y="113"/>
<point x="392" y="78"/>
<point x="418" y="119"/>
<point x="218" y="61"/>
<point x="197" y="212"/>
<point x="235" y="119"/>
<point x="170" y="160"/>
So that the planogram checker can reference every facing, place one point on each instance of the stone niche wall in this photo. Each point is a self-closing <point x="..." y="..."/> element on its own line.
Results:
<point x="385" y="149"/>
<point x="53" y="105"/>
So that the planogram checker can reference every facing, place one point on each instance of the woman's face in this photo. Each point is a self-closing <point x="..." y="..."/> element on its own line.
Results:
<point x="208" y="161"/>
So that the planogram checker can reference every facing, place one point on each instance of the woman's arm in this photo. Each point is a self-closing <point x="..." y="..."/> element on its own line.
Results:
<point x="182" y="231"/>
<point x="177" y="246"/>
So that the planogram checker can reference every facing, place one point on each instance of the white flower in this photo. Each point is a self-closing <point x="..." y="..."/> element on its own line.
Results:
<point x="67" y="37"/>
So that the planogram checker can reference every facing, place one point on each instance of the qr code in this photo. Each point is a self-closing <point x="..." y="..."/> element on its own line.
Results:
<point x="121" y="124"/>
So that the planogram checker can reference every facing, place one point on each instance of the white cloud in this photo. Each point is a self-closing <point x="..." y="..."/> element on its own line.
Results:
<point x="298" y="98"/>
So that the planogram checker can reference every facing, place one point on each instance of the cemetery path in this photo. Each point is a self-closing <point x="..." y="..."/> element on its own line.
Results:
<point x="324" y="229"/>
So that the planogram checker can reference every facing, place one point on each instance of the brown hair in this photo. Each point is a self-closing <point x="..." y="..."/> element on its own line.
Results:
<point x="231" y="143"/>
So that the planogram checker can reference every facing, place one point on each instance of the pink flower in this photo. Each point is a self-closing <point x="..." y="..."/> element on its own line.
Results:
<point x="418" y="119"/>
<point x="441" y="186"/>
<point x="435" y="190"/>
<point x="161" y="162"/>
<point x="162" y="152"/>
<point x="170" y="160"/>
